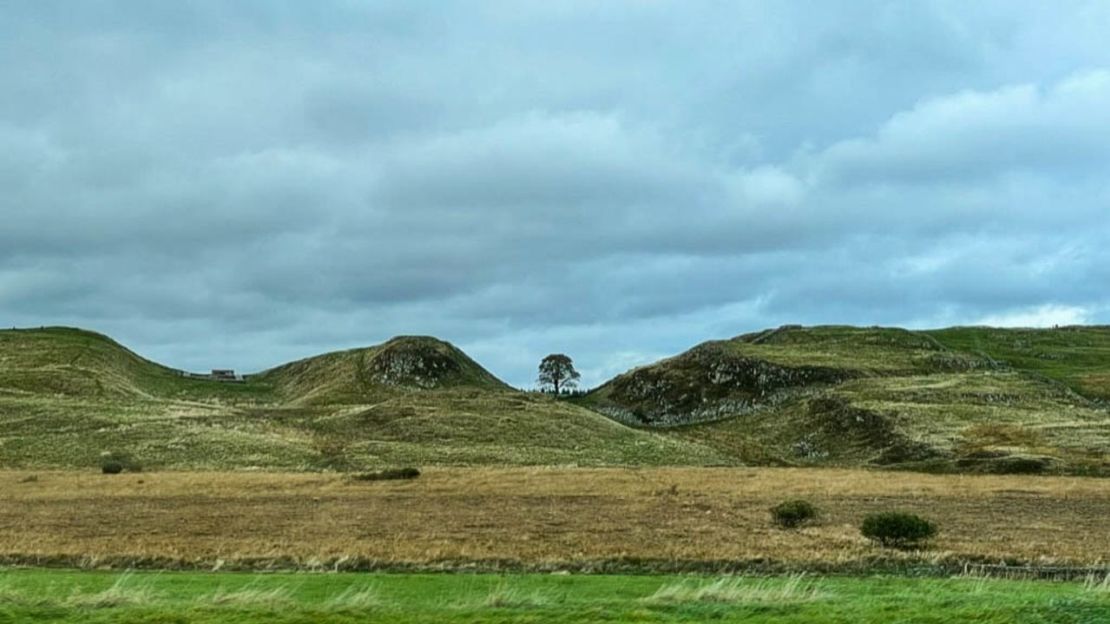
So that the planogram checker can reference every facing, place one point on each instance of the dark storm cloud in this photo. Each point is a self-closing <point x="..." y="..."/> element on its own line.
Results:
<point x="243" y="183"/>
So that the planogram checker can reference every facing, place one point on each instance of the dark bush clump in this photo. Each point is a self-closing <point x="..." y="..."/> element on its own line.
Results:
<point x="387" y="475"/>
<point x="793" y="513"/>
<point x="116" y="462"/>
<point x="897" y="530"/>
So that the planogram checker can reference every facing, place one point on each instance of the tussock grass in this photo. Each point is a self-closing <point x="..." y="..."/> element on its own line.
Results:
<point x="356" y="598"/>
<point x="737" y="590"/>
<point x="1097" y="584"/>
<point x="125" y="592"/>
<point x="505" y="596"/>
<point x="271" y="598"/>
<point x="12" y="597"/>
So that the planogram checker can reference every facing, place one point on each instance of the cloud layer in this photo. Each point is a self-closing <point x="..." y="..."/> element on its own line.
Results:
<point x="238" y="184"/>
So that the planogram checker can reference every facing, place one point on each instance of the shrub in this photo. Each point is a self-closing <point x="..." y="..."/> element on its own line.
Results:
<point x="387" y="475"/>
<point x="897" y="529"/>
<point x="793" y="513"/>
<point x="115" y="463"/>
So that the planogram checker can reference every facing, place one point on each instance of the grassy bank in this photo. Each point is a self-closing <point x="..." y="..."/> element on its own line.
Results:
<point x="90" y="597"/>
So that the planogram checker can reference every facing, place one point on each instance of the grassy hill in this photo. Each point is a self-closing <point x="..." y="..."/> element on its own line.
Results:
<point x="881" y="396"/>
<point x="961" y="399"/>
<point x="360" y="375"/>
<point x="67" y="396"/>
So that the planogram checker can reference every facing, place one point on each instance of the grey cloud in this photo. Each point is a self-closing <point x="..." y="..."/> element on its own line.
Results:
<point x="243" y="183"/>
<point x="1062" y="129"/>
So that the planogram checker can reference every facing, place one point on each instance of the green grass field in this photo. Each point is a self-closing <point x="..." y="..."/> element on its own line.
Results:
<point x="186" y="598"/>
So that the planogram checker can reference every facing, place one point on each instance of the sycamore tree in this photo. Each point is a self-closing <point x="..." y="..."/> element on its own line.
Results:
<point x="557" y="372"/>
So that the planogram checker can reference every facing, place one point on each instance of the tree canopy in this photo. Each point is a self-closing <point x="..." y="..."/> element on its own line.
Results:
<point x="557" y="372"/>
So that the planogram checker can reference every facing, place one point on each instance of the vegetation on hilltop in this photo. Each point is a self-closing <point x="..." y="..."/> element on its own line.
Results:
<point x="1078" y="357"/>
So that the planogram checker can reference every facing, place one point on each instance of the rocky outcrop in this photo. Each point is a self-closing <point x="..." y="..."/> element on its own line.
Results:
<point x="414" y="363"/>
<point x="709" y="382"/>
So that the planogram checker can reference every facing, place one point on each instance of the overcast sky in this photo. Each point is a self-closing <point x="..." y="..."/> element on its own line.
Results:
<point x="237" y="184"/>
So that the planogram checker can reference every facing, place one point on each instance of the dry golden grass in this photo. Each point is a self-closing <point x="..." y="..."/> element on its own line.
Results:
<point x="537" y="516"/>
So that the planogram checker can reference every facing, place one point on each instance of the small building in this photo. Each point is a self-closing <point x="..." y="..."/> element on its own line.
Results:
<point x="224" y="374"/>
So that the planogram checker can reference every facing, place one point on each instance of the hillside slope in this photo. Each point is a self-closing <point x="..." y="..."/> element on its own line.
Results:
<point x="67" y="396"/>
<point x="76" y="363"/>
<point x="1078" y="357"/>
<point x="869" y="396"/>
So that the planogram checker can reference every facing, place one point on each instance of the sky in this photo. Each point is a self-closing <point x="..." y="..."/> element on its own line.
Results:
<point x="239" y="184"/>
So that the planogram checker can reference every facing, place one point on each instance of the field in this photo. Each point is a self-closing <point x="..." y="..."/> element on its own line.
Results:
<point x="712" y="519"/>
<point x="195" y="598"/>
<point x="242" y="501"/>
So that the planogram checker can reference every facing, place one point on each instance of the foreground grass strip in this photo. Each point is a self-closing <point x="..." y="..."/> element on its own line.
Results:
<point x="207" y="598"/>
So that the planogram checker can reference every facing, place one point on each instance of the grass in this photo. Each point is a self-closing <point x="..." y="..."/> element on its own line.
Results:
<point x="126" y="591"/>
<point x="33" y="595"/>
<point x="795" y="589"/>
<point x="1097" y="584"/>
<point x="618" y="519"/>
<point x="1075" y="356"/>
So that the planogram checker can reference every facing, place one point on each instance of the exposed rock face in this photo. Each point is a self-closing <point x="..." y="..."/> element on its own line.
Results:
<point x="414" y="363"/>
<point x="708" y="382"/>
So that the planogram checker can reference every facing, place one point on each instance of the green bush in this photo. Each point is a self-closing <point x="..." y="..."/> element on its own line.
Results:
<point x="897" y="530"/>
<point x="115" y="462"/>
<point x="793" y="513"/>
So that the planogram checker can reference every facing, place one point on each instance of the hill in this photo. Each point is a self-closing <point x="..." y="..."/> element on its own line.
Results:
<point x="360" y="375"/>
<point x="960" y="399"/>
<point x="79" y="364"/>
<point x="879" y="396"/>
<point x="67" y="396"/>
